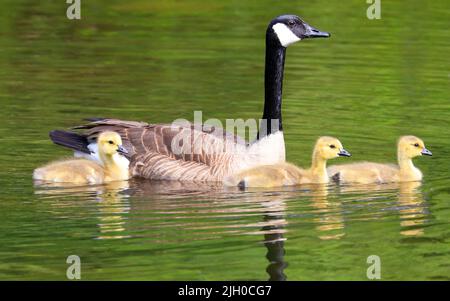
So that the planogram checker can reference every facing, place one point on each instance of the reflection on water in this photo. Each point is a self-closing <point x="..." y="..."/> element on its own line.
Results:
<point x="112" y="200"/>
<point x="218" y="211"/>
<point x="413" y="214"/>
<point x="330" y="221"/>
<point x="274" y="242"/>
<point x="410" y="204"/>
<point x="113" y="206"/>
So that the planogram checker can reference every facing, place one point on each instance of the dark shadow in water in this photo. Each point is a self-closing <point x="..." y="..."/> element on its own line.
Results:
<point x="274" y="242"/>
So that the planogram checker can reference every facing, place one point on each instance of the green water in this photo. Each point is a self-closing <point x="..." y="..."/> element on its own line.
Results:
<point x="157" y="61"/>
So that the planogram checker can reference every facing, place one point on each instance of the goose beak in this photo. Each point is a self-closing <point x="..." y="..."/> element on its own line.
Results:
<point x="344" y="153"/>
<point x="426" y="152"/>
<point x="311" y="32"/>
<point x="121" y="150"/>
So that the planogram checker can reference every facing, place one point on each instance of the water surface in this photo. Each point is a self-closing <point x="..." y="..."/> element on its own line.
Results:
<point x="157" y="61"/>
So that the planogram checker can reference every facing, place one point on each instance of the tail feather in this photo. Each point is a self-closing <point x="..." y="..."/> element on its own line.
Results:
<point x="115" y="123"/>
<point x="95" y="119"/>
<point x="71" y="140"/>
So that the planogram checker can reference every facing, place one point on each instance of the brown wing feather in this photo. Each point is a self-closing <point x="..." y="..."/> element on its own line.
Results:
<point x="208" y="154"/>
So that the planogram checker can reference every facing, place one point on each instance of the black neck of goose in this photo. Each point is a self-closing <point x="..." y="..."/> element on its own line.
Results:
<point x="273" y="83"/>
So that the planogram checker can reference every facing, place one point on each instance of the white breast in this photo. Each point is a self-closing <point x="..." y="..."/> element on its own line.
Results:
<point x="268" y="150"/>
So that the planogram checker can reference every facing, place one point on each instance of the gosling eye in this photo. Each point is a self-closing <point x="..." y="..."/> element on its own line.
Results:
<point x="416" y="144"/>
<point x="110" y="142"/>
<point x="332" y="146"/>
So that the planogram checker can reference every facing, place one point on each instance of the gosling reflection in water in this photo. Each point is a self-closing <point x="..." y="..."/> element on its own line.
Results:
<point x="111" y="199"/>
<point x="191" y="199"/>
<point x="413" y="214"/>
<point x="113" y="206"/>
<point x="330" y="222"/>
<point x="411" y="205"/>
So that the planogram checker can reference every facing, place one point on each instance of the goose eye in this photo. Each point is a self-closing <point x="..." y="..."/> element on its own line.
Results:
<point x="332" y="146"/>
<point x="416" y="144"/>
<point x="110" y="142"/>
<point x="291" y="23"/>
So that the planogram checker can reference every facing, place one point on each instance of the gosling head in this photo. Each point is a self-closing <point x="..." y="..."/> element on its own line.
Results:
<point x="110" y="143"/>
<point x="411" y="146"/>
<point x="329" y="148"/>
<point x="288" y="29"/>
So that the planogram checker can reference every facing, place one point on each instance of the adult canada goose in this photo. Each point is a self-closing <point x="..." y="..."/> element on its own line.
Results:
<point x="408" y="147"/>
<point x="286" y="174"/>
<point x="113" y="165"/>
<point x="197" y="153"/>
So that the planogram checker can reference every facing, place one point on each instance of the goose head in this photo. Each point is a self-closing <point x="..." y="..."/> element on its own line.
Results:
<point x="329" y="148"/>
<point x="288" y="29"/>
<point x="110" y="143"/>
<point x="411" y="146"/>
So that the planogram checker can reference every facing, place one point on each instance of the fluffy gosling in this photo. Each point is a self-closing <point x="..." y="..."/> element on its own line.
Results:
<point x="83" y="171"/>
<point x="286" y="174"/>
<point x="408" y="147"/>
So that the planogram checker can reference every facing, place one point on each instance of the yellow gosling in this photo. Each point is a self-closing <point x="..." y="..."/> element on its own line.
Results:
<point x="286" y="174"/>
<point x="408" y="147"/>
<point x="114" y="166"/>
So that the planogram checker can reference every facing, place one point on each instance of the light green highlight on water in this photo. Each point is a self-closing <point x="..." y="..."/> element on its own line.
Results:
<point x="157" y="61"/>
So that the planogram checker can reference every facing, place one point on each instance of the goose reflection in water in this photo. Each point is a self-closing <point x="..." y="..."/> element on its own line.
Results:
<point x="192" y="207"/>
<point x="170" y="198"/>
<point x="329" y="221"/>
<point x="274" y="242"/>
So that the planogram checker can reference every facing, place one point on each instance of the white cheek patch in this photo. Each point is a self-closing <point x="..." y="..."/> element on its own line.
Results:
<point x="285" y="35"/>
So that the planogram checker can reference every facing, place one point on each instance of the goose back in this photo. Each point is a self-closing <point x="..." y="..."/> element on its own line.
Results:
<point x="168" y="152"/>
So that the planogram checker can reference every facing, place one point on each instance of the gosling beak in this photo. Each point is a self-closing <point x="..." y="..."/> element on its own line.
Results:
<point x="121" y="150"/>
<point x="426" y="152"/>
<point x="344" y="153"/>
<point x="311" y="32"/>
